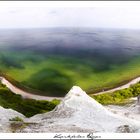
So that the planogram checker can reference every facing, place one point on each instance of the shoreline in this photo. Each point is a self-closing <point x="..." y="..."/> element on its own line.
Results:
<point x="29" y="95"/>
<point x="25" y="94"/>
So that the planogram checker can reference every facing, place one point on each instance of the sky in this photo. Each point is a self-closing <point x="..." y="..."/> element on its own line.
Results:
<point x="40" y="16"/>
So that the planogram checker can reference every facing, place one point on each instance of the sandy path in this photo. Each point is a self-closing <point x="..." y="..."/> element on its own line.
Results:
<point x="25" y="94"/>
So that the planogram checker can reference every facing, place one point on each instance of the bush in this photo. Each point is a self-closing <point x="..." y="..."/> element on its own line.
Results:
<point x="118" y="97"/>
<point x="104" y="98"/>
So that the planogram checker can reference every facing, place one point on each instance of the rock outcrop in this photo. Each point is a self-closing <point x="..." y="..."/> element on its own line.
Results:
<point x="5" y="116"/>
<point x="80" y="113"/>
<point x="77" y="112"/>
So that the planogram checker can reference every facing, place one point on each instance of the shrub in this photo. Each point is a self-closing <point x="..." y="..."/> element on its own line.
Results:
<point x="118" y="97"/>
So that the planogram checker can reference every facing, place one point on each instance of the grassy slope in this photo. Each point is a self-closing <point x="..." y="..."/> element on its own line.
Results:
<point x="28" y="107"/>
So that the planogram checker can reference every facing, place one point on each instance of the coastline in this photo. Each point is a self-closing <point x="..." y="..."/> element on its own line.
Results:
<point x="29" y="95"/>
<point x="23" y="93"/>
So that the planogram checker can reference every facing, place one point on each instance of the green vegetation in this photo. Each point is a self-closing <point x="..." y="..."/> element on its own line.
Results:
<point x="17" y="126"/>
<point x="28" y="107"/>
<point x="18" y="119"/>
<point x="118" y="97"/>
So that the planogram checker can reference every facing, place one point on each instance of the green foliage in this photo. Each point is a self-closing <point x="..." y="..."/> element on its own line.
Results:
<point x="56" y="101"/>
<point x="136" y="89"/>
<point x="16" y="119"/>
<point x="28" y="107"/>
<point x="118" y="97"/>
<point x="104" y="99"/>
<point x="2" y="85"/>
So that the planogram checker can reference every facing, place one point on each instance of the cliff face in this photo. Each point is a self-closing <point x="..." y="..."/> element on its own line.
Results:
<point x="77" y="113"/>
<point x="80" y="113"/>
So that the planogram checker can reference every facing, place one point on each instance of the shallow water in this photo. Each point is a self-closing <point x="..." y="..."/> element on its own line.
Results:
<point x="85" y="51"/>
